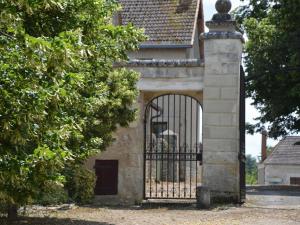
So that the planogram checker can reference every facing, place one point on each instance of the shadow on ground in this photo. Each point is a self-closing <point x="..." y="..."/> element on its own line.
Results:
<point x="166" y="206"/>
<point x="272" y="192"/>
<point x="50" y="221"/>
<point x="145" y="206"/>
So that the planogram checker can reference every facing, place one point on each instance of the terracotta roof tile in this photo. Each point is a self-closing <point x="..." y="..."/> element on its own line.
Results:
<point x="164" y="21"/>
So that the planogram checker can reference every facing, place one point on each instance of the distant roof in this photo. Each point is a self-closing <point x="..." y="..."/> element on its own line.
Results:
<point x="287" y="151"/>
<point x="166" y="22"/>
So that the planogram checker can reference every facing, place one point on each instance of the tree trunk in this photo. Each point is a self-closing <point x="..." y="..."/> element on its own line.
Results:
<point x="12" y="212"/>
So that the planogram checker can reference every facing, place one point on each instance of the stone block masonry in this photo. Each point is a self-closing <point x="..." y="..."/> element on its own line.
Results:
<point x="221" y="97"/>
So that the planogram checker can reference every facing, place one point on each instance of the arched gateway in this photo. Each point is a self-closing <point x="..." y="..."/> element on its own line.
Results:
<point x="159" y="154"/>
<point x="172" y="147"/>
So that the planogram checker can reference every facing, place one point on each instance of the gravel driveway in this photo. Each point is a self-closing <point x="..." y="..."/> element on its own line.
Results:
<point x="260" y="209"/>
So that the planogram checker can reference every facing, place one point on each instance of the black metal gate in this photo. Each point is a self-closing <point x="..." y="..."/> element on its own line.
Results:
<point x="242" y="156"/>
<point x="172" y="147"/>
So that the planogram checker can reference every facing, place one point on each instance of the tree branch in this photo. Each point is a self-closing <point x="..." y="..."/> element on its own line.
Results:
<point x="7" y="35"/>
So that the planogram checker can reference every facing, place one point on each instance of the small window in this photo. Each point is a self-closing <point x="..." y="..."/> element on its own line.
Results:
<point x="107" y="177"/>
<point x="297" y="143"/>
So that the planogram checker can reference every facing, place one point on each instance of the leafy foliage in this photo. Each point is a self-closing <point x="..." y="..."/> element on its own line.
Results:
<point x="60" y="96"/>
<point x="55" y="194"/>
<point x="272" y="62"/>
<point x="80" y="183"/>
<point x="251" y="170"/>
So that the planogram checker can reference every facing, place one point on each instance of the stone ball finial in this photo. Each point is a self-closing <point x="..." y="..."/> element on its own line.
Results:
<point x="223" y="6"/>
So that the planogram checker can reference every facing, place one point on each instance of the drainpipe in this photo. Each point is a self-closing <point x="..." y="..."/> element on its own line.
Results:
<point x="157" y="109"/>
<point x="264" y="135"/>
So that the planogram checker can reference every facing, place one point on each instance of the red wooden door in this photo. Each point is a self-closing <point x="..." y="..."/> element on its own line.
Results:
<point x="107" y="177"/>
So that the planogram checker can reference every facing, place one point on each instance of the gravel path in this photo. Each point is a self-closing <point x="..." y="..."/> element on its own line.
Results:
<point x="263" y="208"/>
<point x="165" y="216"/>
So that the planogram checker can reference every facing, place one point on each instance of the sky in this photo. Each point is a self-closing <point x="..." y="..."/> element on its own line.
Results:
<point x="253" y="142"/>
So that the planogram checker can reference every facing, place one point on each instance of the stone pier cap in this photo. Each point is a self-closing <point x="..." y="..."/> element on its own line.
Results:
<point x="222" y="26"/>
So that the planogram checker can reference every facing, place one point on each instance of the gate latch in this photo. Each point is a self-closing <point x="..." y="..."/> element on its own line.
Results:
<point x="199" y="157"/>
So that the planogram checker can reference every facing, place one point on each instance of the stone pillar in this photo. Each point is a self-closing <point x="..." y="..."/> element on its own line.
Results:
<point x="223" y="51"/>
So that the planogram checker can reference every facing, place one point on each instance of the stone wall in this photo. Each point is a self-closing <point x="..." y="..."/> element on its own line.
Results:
<point x="128" y="150"/>
<point x="169" y="75"/>
<point x="261" y="174"/>
<point x="221" y="117"/>
<point x="159" y="52"/>
<point x="281" y="173"/>
<point x="163" y="53"/>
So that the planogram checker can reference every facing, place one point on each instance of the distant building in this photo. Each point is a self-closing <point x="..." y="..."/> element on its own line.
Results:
<point x="282" y="167"/>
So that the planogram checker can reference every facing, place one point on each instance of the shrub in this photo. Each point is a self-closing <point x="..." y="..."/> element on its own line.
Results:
<point x="80" y="184"/>
<point x="54" y="194"/>
<point x="3" y="205"/>
<point x="61" y="98"/>
<point x="251" y="179"/>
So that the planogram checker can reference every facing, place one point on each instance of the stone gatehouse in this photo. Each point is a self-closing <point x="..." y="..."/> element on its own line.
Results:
<point x="190" y="127"/>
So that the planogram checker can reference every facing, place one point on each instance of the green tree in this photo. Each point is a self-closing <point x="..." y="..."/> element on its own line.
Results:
<point x="60" y="96"/>
<point x="272" y="61"/>
<point x="251" y="170"/>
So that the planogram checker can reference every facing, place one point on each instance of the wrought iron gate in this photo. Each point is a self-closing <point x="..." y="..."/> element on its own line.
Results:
<point x="172" y="147"/>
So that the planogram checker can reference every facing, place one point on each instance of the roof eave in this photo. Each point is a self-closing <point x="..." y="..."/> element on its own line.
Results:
<point x="195" y="22"/>
<point x="160" y="46"/>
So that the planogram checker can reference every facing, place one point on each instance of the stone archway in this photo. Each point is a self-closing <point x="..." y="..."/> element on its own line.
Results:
<point x="172" y="147"/>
